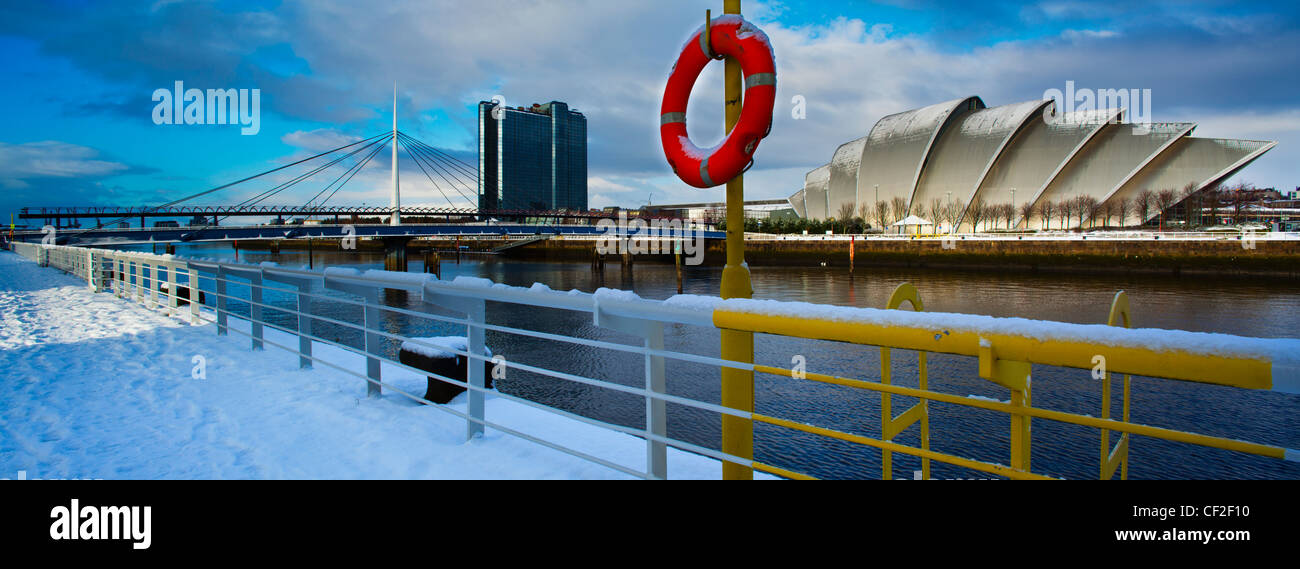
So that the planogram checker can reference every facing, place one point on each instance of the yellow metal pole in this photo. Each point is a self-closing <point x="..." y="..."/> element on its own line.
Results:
<point x="737" y="385"/>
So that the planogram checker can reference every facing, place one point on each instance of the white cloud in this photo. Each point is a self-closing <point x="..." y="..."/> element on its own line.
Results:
<point x="1077" y="35"/>
<point x="318" y="140"/>
<point x="611" y="59"/>
<point x="51" y="159"/>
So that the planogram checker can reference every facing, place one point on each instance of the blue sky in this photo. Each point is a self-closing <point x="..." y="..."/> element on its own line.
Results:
<point x="79" y="78"/>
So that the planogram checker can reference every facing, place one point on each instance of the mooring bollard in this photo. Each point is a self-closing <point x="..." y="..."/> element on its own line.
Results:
<point x="677" y="257"/>
<point x="851" y="241"/>
<point x="432" y="264"/>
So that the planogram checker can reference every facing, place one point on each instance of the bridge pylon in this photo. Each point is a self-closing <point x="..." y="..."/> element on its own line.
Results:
<point x="396" y="219"/>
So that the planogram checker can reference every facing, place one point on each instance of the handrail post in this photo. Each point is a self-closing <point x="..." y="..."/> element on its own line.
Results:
<point x="370" y="314"/>
<point x="476" y="338"/>
<point x="92" y="279"/>
<point x="371" y="321"/>
<point x="1118" y="455"/>
<point x="154" y="302"/>
<point x="304" y="327"/>
<point x="737" y="384"/>
<point x="1015" y="376"/>
<point x="195" y="296"/>
<point x="656" y="415"/>
<point x="303" y="284"/>
<point x="172" y="296"/>
<point x="222" y="318"/>
<point x="656" y="409"/>
<point x="255" y="309"/>
<point x="139" y="281"/>
<point x="891" y="426"/>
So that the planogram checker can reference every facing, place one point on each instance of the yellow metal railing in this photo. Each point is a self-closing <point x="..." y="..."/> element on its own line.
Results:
<point x="1117" y="456"/>
<point x="1005" y="358"/>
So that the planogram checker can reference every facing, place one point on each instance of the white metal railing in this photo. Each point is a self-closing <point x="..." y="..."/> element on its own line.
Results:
<point x="1227" y="360"/>
<point x="139" y="277"/>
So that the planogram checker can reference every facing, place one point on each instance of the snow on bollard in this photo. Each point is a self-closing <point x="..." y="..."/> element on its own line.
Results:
<point x="437" y="356"/>
<point x="182" y="294"/>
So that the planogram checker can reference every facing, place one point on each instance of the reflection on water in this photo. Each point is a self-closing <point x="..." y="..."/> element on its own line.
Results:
<point x="1237" y="306"/>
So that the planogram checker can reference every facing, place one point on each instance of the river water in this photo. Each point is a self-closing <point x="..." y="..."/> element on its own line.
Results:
<point x="1235" y="306"/>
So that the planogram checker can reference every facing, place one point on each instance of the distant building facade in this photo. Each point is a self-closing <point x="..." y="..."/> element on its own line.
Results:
<point x="957" y="157"/>
<point x="532" y="158"/>
<point x="716" y="212"/>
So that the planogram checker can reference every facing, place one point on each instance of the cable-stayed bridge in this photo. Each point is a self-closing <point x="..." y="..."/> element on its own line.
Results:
<point x="318" y="178"/>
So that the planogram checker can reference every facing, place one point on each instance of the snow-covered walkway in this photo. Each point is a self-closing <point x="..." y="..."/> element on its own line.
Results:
<point x="96" y="387"/>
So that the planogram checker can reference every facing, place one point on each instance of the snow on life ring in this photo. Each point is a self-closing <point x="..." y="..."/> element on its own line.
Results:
<point x="730" y="36"/>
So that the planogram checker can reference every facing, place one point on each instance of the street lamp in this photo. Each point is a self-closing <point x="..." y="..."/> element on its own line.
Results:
<point x="1013" y="204"/>
<point x="951" y="228"/>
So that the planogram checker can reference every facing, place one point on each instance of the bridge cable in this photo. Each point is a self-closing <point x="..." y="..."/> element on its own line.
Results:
<point x="301" y="177"/>
<point x="451" y="167"/>
<point x="224" y="186"/>
<point x="469" y="171"/>
<point x="432" y="159"/>
<point x="415" y="152"/>
<point x="464" y="166"/>
<point x="285" y="185"/>
<point x="407" y="147"/>
<point x="354" y="173"/>
<point x="471" y="193"/>
<point x="438" y="167"/>
<point x="345" y="172"/>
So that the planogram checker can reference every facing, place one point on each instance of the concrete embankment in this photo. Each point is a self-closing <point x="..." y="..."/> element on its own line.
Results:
<point x="1226" y="257"/>
<point x="1265" y="258"/>
<point x="373" y="245"/>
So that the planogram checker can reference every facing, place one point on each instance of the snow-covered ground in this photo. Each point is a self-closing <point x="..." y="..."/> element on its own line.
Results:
<point x="92" y="386"/>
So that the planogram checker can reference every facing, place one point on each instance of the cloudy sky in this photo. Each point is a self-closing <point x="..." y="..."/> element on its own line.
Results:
<point x="79" y="77"/>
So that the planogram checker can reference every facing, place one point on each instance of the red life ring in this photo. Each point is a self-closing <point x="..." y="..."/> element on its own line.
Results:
<point x="730" y="35"/>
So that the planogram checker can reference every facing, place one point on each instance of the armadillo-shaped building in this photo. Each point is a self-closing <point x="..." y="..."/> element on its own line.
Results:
<point x="959" y="151"/>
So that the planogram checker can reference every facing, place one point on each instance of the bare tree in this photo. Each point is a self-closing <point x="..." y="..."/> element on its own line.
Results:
<point x="1046" y="209"/>
<point x="864" y="211"/>
<point x="1027" y="211"/>
<point x="1089" y="208"/>
<point x="882" y="214"/>
<point x="975" y="212"/>
<point x="1145" y="200"/>
<point x="1165" y="199"/>
<point x="952" y="213"/>
<point x="1107" y="211"/>
<point x="1083" y="205"/>
<point x="1239" y="197"/>
<point x="936" y="211"/>
<point x="845" y="213"/>
<point x="1122" y="207"/>
<point x="1008" y="212"/>
<point x="898" y="206"/>
<point x="1065" y="209"/>
<point x="1191" y="203"/>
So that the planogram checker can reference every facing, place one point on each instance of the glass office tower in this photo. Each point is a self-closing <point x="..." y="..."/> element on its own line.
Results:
<point x="532" y="158"/>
